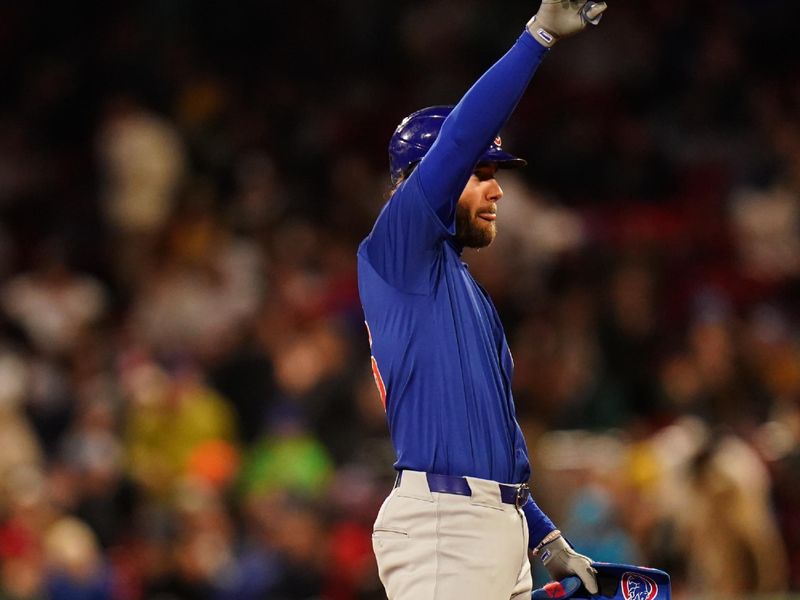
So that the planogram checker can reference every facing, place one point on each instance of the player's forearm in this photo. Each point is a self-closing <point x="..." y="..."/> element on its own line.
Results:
<point x="475" y="122"/>
<point x="487" y="105"/>
<point x="557" y="554"/>
<point x="539" y="524"/>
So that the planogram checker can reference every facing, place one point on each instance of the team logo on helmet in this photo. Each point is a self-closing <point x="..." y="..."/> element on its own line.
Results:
<point x="636" y="586"/>
<point x="498" y="141"/>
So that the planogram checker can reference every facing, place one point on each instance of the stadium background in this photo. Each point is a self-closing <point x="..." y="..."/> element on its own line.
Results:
<point x="186" y="404"/>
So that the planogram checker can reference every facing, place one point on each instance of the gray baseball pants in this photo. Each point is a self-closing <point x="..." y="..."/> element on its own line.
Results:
<point x="436" y="546"/>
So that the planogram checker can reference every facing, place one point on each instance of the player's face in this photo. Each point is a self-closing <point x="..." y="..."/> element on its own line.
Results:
<point x="476" y="211"/>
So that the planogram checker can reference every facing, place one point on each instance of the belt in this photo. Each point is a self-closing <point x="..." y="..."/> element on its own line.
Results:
<point x="450" y="484"/>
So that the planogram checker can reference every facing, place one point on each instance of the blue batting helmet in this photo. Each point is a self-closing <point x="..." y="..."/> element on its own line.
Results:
<point x="416" y="133"/>
<point x="616" y="582"/>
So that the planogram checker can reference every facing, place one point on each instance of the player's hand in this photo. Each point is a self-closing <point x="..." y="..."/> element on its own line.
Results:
<point x="558" y="19"/>
<point x="561" y="560"/>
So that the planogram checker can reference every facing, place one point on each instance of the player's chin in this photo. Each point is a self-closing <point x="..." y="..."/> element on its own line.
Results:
<point x="481" y="234"/>
<point x="488" y="230"/>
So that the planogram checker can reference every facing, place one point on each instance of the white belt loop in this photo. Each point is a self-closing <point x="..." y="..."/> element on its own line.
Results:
<point x="414" y="484"/>
<point x="485" y="493"/>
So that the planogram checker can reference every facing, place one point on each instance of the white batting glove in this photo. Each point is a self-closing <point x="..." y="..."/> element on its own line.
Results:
<point x="558" y="19"/>
<point x="561" y="560"/>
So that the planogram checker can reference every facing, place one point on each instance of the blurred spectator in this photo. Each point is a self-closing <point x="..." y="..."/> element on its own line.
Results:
<point x="728" y="508"/>
<point x="18" y="444"/>
<point x="171" y="416"/>
<point x="142" y="158"/>
<point x="26" y="517"/>
<point x="202" y="550"/>
<point x="593" y="528"/>
<point x="92" y="477"/>
<point x="53" y="304"/>
<point x="766" y="226"/>
<point x="783" y="437"/>
<point x="287" y="460"/>
<point x="629" y="336"/>
<point x="203" y="291"/>
<point x="731" y="395"/>
<point x="244" y="375"/>
<point x="75" y="565"/>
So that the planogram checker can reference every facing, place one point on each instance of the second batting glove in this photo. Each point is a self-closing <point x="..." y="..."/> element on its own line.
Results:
<point x="561" y="560"/>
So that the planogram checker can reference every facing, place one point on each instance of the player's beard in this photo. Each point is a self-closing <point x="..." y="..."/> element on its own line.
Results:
<point x="471" y="231"/>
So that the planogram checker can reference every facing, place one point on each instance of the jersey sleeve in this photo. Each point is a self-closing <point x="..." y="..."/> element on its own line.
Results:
<point x="539" y="524"/>
<point x="407" y="236"/>
<point x="404" y="243"/>
<point x="472" y="125"/>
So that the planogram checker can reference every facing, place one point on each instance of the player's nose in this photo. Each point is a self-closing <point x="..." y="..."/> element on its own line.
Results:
<point x="495" y="192"/>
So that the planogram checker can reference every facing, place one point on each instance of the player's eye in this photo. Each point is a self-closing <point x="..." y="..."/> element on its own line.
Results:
<point x="484" y="174"/>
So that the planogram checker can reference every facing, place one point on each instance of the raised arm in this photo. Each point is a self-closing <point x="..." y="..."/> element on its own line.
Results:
<point x="474" y="123"/>
<point x="434" y="156"/>
<point x="478" y="117"/>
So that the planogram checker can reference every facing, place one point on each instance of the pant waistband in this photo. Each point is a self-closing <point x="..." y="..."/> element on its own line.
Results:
<point x="517" y="495"/>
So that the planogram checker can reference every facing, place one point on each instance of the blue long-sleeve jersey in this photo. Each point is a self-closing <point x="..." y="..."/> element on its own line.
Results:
<point x="440" y="354"/>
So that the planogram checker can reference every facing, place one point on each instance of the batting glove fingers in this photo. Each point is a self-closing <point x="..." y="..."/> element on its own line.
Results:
<point x="561" y="560"/>
<point x="557" y="19"/>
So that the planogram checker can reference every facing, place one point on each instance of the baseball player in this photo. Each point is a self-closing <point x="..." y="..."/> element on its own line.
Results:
<point x="460" y="520"/>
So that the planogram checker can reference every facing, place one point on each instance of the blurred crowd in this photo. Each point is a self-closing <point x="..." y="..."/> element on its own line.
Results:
<point x="186" y="405"/>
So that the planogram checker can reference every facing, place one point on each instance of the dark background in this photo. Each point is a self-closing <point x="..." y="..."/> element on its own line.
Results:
<point x="186" y="404"/>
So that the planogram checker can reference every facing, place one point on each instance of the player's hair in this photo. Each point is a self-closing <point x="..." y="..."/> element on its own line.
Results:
<point x="395" y="185"/>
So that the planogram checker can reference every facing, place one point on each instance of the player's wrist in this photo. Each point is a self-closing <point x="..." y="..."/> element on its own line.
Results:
<point x="540" y="33"/>
<point x="561" y="560"/>
<point x="550" y="537"/>
<point x="556" y="19"/>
